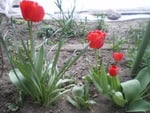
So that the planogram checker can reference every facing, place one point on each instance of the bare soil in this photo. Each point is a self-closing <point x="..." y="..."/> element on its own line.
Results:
<point x="9" y="93"/>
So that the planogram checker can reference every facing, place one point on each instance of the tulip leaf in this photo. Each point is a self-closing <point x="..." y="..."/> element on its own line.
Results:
<point x="16" y="78"/>
<point x="20" y="81"/>
<point x="73" y="102"/>
<point x="104" y="80"/>
<point x="95" y="79"/>
<point x="39" y="61"/>
<point x="139" y="106"/>
<point x="131" y="89"/>
<point x="78" y="91"/>
<point x="63" y="81"/>
<point x="144" y="78"/>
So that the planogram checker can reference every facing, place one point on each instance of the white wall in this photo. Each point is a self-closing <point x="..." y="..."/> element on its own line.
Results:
<point x="83" y="5"/>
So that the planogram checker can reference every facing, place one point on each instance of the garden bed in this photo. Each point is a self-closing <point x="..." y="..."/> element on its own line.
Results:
<point x="9" y="94"/>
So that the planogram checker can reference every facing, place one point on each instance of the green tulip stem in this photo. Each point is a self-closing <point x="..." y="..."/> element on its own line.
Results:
<point x="31" y="38"/>
<point x="97" y="58"/>
<point x="141" y="51"/>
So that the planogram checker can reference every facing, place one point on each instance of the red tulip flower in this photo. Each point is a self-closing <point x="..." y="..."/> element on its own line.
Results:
<point x="118" y="56"/>
<point x="113" y="70"/>
<point x="96" y="39"/>
<point x="31" y="11"/>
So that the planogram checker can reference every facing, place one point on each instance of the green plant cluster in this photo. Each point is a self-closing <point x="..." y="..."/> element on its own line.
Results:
<point x="101" y="22"/>
<point x="35" y="74"/>
<point x="136" y="34"/>
<point x="65" y="25"/>
<point x="80" y="97"/>
<point x="122" y="94"/>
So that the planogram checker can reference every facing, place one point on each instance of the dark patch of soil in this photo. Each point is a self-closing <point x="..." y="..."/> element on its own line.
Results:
<point x="9" y="94"/>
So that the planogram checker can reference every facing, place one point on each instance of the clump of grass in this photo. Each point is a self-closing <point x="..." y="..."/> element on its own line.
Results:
<point x="65" y="25"/>
<point x="101" y="25"/>
<point x="143" y="49"/>
<point x="135" y="37"/>
<point x="46" y="31"/>
<point x="117" y="43"/>
<point x="80" y="97"/>
<point x="138" y="48"/>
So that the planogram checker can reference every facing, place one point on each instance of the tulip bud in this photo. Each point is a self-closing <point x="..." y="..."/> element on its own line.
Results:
<point x="119" y="99"/>
<point x="78" y="91"/>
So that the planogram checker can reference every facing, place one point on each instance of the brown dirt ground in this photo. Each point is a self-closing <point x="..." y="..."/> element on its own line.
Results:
<point x="8" y="92"/>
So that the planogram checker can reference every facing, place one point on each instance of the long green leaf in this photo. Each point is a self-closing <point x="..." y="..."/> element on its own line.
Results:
<point x="56" y="58"/>
<point x="139" y="106"/>
<point x="104" y="79"/>
<point x="60" y="94"/>
<point x="11" y="62"/>
<point x="21" y="82"/>
<point x="73" y="102"/>
<point x="144" y="78"/>
<point x="32" y="71"/>
<point x="94" y="80"/>
<point x="39" y="61"/>
<point x="141" y="51"/>
<point x="15" y="80"/>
